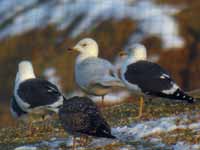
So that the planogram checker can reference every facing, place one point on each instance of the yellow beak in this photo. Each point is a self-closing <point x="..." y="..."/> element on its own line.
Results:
<point x="122" y="53"/>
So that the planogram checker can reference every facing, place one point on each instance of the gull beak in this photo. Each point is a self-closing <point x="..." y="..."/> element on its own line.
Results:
<point x="70" y="49"/>
<point x="75" y="48"/>
<point x="122" y="53"/>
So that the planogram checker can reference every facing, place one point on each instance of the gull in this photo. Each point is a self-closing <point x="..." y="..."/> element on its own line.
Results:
<point x="95" y="76"/>
<point x="80" y="116"/>
<point x="146" y="78"/>
<point x="33" y="95"/>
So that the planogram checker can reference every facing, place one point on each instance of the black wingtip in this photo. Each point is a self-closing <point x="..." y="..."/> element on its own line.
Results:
<point x="183" y="96"/>
<point x="111" y="136"/>
<point x="191" y="101"/>
<point x="178" y="95"/>
<point x="104" y="131"/>
<point x="107" y="135"/>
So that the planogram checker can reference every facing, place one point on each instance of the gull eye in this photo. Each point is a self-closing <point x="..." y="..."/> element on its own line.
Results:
<point x="84" y="44"/>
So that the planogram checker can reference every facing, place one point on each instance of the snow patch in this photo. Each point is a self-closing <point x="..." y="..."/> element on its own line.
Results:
<point x="26" y="148"/>
<point x="100" y="142"/>
<point x="185" y="146"/>
<point x="162" y="125"/>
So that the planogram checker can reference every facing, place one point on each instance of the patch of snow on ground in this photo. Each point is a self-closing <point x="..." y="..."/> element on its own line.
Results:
<point x="52" y="144"/>
<point x="185" y="146"/>
<point x="127" y="148"/>
<point x="163" y="125"/>
<point x="141" y="130"/>
<point x="56" y="142"/>
<point x="26" y="148"/>
<point x="99" y="142"/>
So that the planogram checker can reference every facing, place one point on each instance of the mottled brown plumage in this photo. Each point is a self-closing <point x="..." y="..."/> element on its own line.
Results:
<point x="80" y="116"/>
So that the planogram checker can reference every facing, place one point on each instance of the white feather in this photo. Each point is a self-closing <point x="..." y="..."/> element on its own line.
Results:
<point x="171" y="90"/>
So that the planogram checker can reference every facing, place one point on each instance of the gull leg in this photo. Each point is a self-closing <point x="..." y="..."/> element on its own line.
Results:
<point x="140" y="108"/>
<point x="46" y="122"/>
<point x="102" y="100"/>
<point x="74" y="143"/>
<point x="86" y="140"/>
<point x="44" y="126"/>
<point x="30" y="128"/>
<point x="81" y="140"/>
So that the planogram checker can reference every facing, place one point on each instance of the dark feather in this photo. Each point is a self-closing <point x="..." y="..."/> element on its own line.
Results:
<point x="80" y="115"/>
<point x="38" y="92"/>
<point x="15" y="107"/>
<point x="178" y="95"/>
<point x="147" y="76"/>
<point x="152" y="79"/>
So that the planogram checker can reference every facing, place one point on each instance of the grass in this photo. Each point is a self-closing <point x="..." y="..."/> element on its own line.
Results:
<point x="118" y="115"/>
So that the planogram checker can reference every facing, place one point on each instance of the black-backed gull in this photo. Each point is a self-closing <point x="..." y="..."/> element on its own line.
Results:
<point x="31" y="94"/>
<point x="144" y="77"/>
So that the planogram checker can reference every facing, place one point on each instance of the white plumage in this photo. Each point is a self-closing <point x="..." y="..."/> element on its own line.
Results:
<point x="94" y="75"/>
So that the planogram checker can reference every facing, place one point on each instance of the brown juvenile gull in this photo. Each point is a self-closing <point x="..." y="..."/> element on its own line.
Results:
<point x="80" y="116"/>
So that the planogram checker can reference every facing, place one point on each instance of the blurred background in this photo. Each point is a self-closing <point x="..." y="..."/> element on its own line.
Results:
<point x="41" y="30"/>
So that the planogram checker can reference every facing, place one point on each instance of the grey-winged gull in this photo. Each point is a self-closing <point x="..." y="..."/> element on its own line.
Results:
<point x="147" y="78"/>
<point x="31" y="94"/>
<point x="80" y="116"/>
<point x="95" y="76"/>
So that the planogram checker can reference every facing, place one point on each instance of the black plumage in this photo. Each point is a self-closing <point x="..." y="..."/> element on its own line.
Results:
<point x="80" y="116"/>
<point x="38" y="92"/>
<point x="15" y="109"/>
<point x="153" y="80"/>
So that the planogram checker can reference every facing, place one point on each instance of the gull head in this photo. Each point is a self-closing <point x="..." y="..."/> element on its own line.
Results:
<point x="87" y="47"/>
<point x="137" y="52"/>
<point x="122" y="54"/>
<point x="25" y="71"/>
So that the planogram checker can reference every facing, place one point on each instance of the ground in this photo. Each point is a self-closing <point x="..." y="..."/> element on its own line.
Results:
<point x="165" y="124"/>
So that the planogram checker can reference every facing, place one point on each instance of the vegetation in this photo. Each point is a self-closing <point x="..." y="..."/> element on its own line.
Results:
<point x="125" y="113"/>
<point x="47" y="48"/>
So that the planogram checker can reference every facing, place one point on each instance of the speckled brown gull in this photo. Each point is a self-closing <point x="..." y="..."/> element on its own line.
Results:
<point x="81" y="117"/>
